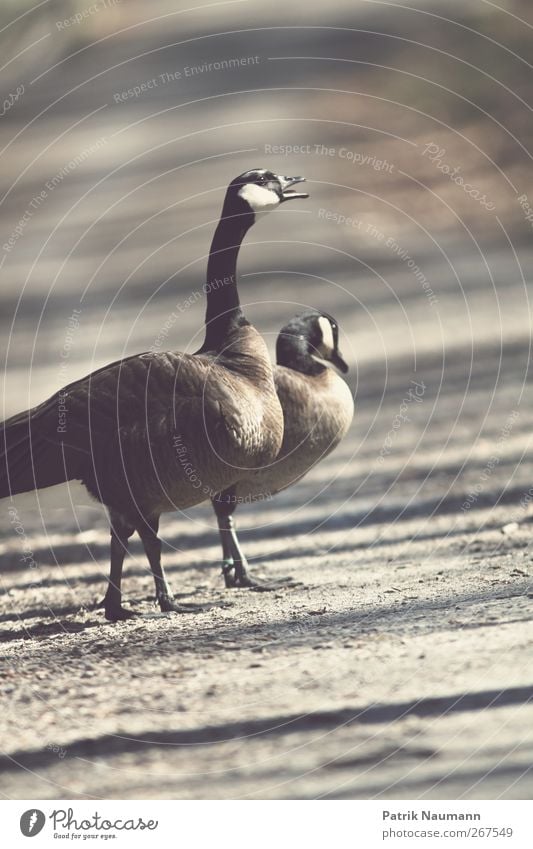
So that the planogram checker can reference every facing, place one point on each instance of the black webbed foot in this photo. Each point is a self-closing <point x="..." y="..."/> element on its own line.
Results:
<point x="238" y="578"/>
<point x="117" y="613"/>
<point x="167" y="604"/>
<point x="264" y="586"/>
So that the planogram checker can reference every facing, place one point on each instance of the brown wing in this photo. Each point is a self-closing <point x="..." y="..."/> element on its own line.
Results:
<point x="137" y="401"/>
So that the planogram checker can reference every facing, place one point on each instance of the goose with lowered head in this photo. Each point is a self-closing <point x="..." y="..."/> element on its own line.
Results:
<point x="317" y="409"/>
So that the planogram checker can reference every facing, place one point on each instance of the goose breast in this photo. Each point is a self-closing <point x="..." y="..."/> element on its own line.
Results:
<point x="317" y="414"/>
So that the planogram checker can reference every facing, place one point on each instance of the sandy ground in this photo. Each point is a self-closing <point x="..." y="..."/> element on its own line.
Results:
<point x="401" y="667"/>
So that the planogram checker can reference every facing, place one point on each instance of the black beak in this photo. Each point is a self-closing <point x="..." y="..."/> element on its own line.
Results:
<point x="286" y="183"/>
<point x="338" y="362"/>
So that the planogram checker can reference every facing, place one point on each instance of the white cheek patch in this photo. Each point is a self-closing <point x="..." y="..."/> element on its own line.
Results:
<point x="259" y="198"/>
<point x="328" y="343"/>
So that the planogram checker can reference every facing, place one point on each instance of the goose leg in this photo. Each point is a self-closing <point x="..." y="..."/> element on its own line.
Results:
<point x="225" y="530"/>
<point x="112" y="603"/>
<point x="148" y="532"/>
<point x="234" y="563"/>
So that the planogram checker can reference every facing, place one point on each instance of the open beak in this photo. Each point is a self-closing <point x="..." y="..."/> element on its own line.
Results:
<point x="286" y="191"/>
<point x="338" y="362"/>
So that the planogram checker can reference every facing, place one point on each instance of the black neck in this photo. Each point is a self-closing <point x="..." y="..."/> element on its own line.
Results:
<point x="223" y="306"/>
<point x="292" y="352"/>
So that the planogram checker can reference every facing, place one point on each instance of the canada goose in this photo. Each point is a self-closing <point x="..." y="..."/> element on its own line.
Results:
<point x="155" y="432"/>
<point x="317" y="409"/>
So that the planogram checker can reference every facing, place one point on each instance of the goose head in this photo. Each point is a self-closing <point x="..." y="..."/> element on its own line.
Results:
<point x="259" y="191"/>
<point x="310" y="343"/>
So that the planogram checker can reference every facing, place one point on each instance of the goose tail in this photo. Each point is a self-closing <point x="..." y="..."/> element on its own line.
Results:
<point x="29" y="460"/>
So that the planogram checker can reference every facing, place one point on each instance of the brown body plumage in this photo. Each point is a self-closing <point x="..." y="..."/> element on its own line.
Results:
<point x="317" y="413"/>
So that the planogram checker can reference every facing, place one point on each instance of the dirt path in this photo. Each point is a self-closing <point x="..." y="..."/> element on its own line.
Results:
<point x="400" y="669"/>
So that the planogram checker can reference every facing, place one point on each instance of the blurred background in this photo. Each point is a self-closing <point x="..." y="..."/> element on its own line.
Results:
<point x="121" y="125"/>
